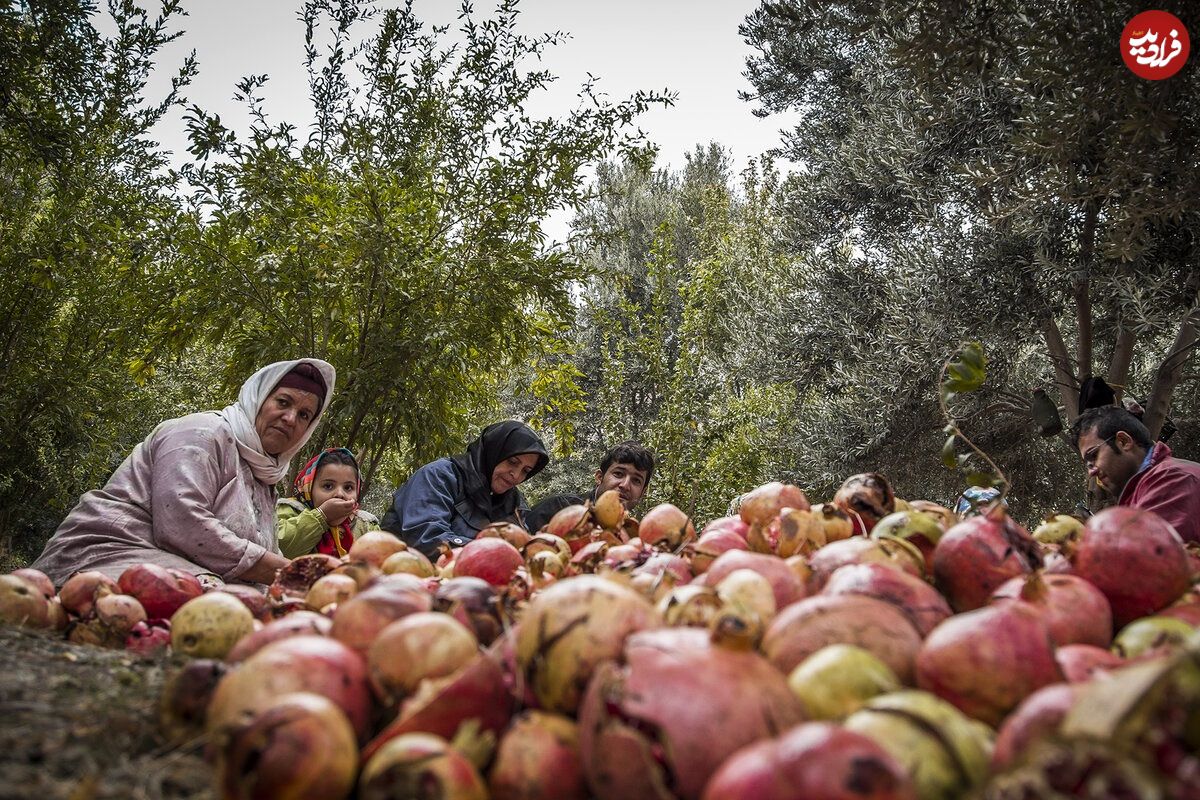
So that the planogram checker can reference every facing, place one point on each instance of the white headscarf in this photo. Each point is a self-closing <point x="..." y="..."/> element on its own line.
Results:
<point x="241" y="415"/>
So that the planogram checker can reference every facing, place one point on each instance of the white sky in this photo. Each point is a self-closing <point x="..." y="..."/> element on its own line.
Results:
<point x="691" y="47"/>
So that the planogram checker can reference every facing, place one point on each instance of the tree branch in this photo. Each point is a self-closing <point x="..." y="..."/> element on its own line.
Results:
<point x="1118" y="366"/>
<point x="1082" y="286"/>
<point x="1169" y="372"/>
<point x="1064" y="375"/>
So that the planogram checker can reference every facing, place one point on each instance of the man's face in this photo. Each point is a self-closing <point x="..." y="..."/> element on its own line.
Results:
<point x="1112" y="468"/>
<point x="628" y="480"/>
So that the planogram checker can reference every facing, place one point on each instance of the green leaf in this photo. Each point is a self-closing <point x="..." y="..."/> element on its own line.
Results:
<point x="949" y="455"/>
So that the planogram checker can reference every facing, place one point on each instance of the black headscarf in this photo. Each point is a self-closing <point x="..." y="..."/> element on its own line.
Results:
<point x="498" y="441"/>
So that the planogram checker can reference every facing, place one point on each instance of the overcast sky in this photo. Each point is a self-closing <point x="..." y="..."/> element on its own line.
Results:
<point x="688" y="46"/>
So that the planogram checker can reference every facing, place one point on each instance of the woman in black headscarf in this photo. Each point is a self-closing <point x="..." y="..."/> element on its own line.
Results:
<point x="450" y="500"/>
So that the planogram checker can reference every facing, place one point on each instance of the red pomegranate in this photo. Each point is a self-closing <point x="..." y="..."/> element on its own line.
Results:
<point x="476" y="692"/>
<point x="665" y="527"/>
<point x="874" y="625"/>
<point x="1074" y="610"/>
<point x="735" y="524"/>
<point x="786" y="585"/>
<point x="812" y="760"/>
<point x="298" y="623"/>
<point x="492" y="559"/>
<point x="149" y="639"/>
<point x="919" y="601"/>
<point x="1135" y="558"/>
<point x="764" y="503"/>
<point x="980" y="553"/>
<point x="300" y="664"/>
<point x="360" y="619"/>
<point x="1188" y="612"/>
<point x="78" y="594"/>
<point x="473" y="602"/>
<point x="1038" y="714"/>
<point x="987" y="661"/>
<point x="253" y="599"/>
<point x="867" y="498"/>
<point x="538" y="757"/>
<point x="862" y="550"/>
<point x="418" y="647"/>
<point x="40" y="580"/>
<point x="569" y="523"/>
<point x="294" y="580"/>
<point x="515" y="535"/>
<point x="374" y="547"/>
<point x="420" y="765"/>
<point x="1082" y="662"/>
<point x="642" y="729"/>
<point x="711" y="545"/>
<point x="300" y="746"/>
<point x="160" y="591"/>
<point x="186" y="696"/>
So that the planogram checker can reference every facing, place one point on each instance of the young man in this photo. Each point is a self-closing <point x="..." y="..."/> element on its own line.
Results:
<point x="626" y="468"/>
<point x="1120" y="455"/>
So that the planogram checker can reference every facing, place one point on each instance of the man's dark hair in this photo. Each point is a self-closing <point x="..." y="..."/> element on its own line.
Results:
<point x="1108" y="421"/>
<point x="629" y="452"/>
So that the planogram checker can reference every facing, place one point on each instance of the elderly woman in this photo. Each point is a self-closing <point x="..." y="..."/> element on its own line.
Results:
<point x="450" y="500"/>
<point x="199" y="493"/>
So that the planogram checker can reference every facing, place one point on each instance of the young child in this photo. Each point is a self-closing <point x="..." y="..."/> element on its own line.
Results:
<point x="324" y="516"/>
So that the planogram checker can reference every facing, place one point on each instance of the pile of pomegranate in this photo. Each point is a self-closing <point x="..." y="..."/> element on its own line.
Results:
<point x="866" y="647"/>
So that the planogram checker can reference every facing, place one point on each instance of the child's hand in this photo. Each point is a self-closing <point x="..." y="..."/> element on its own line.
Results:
<point x="336" y="510"/>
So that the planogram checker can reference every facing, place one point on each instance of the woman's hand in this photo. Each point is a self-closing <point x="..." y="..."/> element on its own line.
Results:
<point x="264" y="570"/>
<point x="335" y="511"/>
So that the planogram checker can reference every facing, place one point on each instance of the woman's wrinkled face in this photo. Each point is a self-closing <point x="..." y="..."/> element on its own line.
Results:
<point x="283" y="419"/>
<point x="512" y="471"/>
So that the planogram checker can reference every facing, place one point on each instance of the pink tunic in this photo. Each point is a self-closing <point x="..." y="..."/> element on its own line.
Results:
<point x="183" y="498"/>
<point x="1170" y="487"/>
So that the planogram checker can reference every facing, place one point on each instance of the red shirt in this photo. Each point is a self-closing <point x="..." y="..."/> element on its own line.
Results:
<point x="1170" y="487"/>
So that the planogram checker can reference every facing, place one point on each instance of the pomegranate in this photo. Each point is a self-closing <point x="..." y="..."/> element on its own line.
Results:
<point x="746" y="590"/>
<point x="569" y="523"/>
<point x="838" y="679"/>
<point x="477" y="693"/>
<point x="569" y="628"/>
<point x="1082" y="662"/>
<point x="642" y="733"/>
<point x="734" y="524"/>
<point x="874" y="625"/>
<point x="473" y="602"/>
<point x="1150" y="634"/>
<point x="763" y="504"/>
<point x="412" y="562"/>
<point x="186" y="694"/>
<point x="160" y="591"/>
<point x="38" y="579"/>
<point x="796" y="532"/>
<point x="837" y="523"/>
<point x="298" y="623"/>
<point x="979" y="554"/>
<point x="22" y="603"/>
<point x="921" y="529"/>
<point x="253" y="599"/>
<point x="420" y="765"/>
<point x="1135" y="558"/>
<point x="812" y="760"/>
<point x="946" y="518"/>
<point x="538" y="758"/>
<point x="331" y="588"/>
<point x="360" y="619"/>
<point x="374" y="547"/>
<point x="420" y="646"/>
<point x="786" y="585"/>
<point x="294" y="580"/>
<point x="665" y="527"/>
<point x="299" y="746"/>
<point x="1188" y="612"/>
<point x="365" y="574"/>
<point x="119" y="612"/>
<point x="987" y="661"/>
<point x="1038" y="715"/>
<point x="690" y="605"/>
<point x="919" y="601"/>
<point x="494" y="560"/>
<point x="548" y="541"/>
<point x="515" y="535"/>
<point x="149" y="639"/>
<point x="78" y="594"/>
<point x="1057" y="529"/>
<point x="299" y="664"/>
<point x="867" y="498"/>
<point x="58" y="619"/>
<point x="210" y="625"/>
<point x="1074" y="610"/>
<point x="609" y="511"/>
<point x="945" y="752"/>
<point x="711" y="545"/>
<point x="896" y="553"/>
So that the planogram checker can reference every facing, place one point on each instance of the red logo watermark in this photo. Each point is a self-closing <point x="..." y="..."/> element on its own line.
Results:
<point x="1155" y="45"/>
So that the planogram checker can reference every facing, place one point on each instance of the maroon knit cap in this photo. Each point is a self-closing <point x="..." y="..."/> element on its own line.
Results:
<point x="306" y="378"/>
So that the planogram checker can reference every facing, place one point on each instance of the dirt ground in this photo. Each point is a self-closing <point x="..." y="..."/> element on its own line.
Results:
<point x="78" y="723"/>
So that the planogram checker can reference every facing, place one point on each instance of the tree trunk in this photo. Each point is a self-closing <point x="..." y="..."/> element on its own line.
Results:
<point x="1082" y="286"/>
<point x="1169" y="372"/>
<point x="1064" y="375"/>
<point x="1118" y="366"/>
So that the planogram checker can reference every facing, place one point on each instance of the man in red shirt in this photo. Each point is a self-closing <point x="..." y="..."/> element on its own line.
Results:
<point x="1122" y="457"/>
